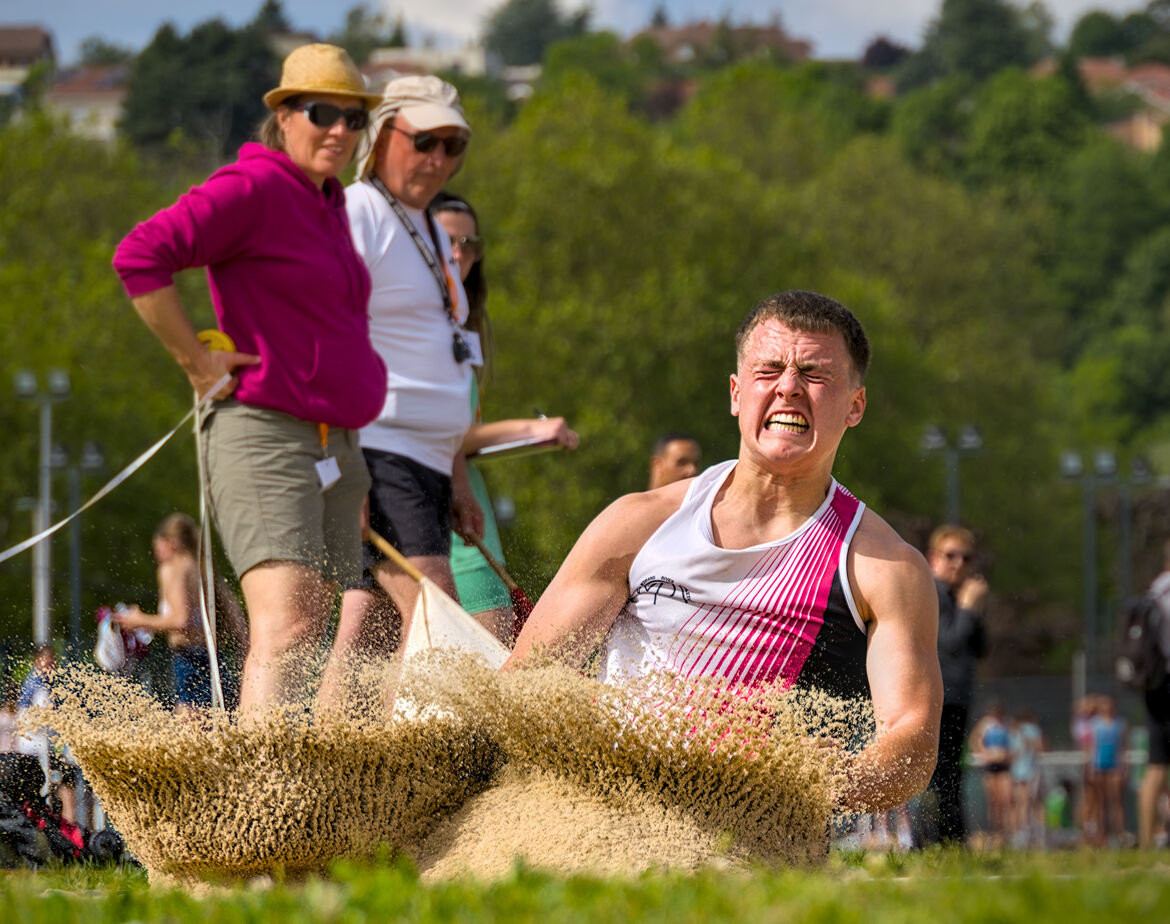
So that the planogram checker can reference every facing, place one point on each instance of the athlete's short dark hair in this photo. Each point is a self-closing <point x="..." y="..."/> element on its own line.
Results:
<point x="670" y="436"/>
<point x="808" y="311"/>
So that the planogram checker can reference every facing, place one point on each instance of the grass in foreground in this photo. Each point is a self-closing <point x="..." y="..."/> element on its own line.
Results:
<point x="932" y="886"/>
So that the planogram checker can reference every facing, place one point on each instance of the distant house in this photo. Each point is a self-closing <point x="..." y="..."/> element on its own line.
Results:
<point x="21" y="47"/>
<point x="90" y="98"/>
<point x="705" y="40"/>
<point x="385" y="64"/>
<point x="1149" y="83"/>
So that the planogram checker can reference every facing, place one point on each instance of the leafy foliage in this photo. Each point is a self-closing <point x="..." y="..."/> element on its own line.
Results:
<point x="519" y="31"/>
<point x="206" y="87"/>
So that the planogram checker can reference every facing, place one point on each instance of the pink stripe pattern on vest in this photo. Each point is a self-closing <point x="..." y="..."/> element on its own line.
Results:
<point x="766" y="627"/>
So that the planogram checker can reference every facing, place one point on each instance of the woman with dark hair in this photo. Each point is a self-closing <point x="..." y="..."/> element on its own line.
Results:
<point x="285" y="475"/>
<point x="481" y="591"/>
<point x="176" y="549"/>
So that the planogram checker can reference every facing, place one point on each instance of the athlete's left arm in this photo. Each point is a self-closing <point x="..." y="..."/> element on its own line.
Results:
<point x="899" y="603"/>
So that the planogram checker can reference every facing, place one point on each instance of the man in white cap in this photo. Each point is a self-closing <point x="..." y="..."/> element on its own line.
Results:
<point x="415" y="143"/>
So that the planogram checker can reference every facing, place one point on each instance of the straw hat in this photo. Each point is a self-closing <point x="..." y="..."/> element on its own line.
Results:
<point x="320" y="68"/>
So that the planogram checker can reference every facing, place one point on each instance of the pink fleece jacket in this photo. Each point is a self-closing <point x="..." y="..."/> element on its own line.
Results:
<point x="285" y="280"/>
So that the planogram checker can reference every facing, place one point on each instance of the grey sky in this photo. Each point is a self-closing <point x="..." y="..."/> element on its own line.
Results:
<point x="838" y="28"/>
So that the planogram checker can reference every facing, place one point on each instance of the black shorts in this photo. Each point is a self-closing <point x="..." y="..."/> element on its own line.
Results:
<point x="410" y="507"/>
<point x="1158" y="720"/>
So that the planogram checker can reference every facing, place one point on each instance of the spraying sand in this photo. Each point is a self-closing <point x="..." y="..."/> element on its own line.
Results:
<point x="473" y="771"/>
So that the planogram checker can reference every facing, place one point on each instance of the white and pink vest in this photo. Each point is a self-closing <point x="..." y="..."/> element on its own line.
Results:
<point x="778" y="612"/>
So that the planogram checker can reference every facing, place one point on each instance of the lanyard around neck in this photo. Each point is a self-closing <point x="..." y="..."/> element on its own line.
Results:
<point x="428" y="255"/>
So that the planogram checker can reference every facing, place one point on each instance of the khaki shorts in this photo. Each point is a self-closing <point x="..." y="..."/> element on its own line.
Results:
<point x="265" y="497"/>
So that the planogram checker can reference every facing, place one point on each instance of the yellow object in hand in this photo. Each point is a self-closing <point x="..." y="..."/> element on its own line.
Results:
<point x="217" y="340"/>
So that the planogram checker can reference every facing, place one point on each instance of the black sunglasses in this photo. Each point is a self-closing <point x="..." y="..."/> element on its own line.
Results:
<point x="325" y="115"/>
<point x="425" y="142"/>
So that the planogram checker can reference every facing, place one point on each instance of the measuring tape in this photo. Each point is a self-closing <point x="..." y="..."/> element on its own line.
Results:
<point x="217" y="341"/>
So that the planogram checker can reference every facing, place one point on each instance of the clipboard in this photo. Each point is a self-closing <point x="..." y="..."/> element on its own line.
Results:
<point x="514" y="449"/>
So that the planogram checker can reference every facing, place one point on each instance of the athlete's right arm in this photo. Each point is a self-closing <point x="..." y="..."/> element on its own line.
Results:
<point x="592" y="585"/>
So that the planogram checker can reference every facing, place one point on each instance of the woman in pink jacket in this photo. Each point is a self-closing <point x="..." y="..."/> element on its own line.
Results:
<point x="285" y="475"/>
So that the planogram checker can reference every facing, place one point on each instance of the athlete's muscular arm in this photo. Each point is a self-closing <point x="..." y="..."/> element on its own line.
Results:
<point x="592" y="585"/>
<point x="898" y="601"/>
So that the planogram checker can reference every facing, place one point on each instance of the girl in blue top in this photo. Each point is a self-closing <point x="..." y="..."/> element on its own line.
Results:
<point x="990" y="742"/>
<point x="1107" y="770"/>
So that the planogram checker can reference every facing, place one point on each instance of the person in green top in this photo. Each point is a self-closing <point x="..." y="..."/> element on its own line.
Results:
<point x="481" y="592"/>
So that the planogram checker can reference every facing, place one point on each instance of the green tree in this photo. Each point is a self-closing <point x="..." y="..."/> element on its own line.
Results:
<point x="1105" y="204"/>
<point x="520" y="31"/>
<point x="365" y="30"/>
<point x="97" y="52"/>
<point x="930" y="125"/>
<point x="783" y="123"/>
<point x="271" y="18"/>
<point x="1098" y="34"/>
<point x="68" y="202"/>
<point x="206" y="86"/>
<point x="977" y="38"/>
<point x="612" y="63"/>
<point x="1022" y="129"/>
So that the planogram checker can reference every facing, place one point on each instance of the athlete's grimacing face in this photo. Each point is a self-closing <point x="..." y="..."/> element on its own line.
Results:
<point x="795" y="394"/>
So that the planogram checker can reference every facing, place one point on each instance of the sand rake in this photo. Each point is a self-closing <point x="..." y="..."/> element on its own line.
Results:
<point x="438" y="621"/>
<point x="522" y="605"/>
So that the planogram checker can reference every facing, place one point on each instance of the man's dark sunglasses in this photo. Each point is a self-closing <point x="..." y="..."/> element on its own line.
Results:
<point x="325" y="115"/>
<point x="425" y="142"/>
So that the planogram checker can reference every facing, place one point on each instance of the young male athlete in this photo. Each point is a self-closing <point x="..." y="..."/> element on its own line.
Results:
<point x="764" y="569"/>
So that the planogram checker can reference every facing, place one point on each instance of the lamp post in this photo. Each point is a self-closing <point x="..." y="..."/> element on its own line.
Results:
<point x="968" y="442"/>
<point x="1139" y="474"/>
<point x="1103" y="468"/>
<point x="57" y="389"/>
<point x="91" y="462"/>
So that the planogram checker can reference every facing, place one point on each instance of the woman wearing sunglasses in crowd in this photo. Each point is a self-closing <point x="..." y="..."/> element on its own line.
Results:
<point x="285" y="474"/>
<point x="481" y="591"/>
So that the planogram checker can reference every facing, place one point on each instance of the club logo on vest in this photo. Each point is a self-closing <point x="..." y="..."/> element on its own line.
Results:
<point x="665" y="587"/>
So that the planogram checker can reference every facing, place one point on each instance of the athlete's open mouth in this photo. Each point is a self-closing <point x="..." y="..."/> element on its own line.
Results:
<point x="790" y="421"/>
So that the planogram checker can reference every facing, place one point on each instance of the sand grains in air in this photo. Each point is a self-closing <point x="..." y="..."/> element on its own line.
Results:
<point x="473" y="771"/>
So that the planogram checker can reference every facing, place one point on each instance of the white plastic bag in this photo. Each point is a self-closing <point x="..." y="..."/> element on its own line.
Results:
<point x="108" y="651"/>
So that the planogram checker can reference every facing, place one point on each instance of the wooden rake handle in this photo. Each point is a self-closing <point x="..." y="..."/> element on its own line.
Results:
<point x="395" y="556"/>
<point x="494" y="562"/>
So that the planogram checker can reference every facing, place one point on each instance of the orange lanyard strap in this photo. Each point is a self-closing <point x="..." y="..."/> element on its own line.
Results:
<point x="453" y="293"/>
<point x="323" y="430"/>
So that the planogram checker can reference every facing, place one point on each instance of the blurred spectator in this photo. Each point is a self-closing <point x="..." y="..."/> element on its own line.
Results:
<point x="7" y="716"/>
<point x="1027" y="744"/>
<point x="1153" y="784"/>
<point x="675" y="456"/>
<point x="1107" y="772"/>
<point x="481" y="592"/>
<point x="176" y="545"/>
<point x="962" y="594"/>
<point x="1081" y="726"/>
<point x="991" y="742"/>
<point x="61" y="773"/>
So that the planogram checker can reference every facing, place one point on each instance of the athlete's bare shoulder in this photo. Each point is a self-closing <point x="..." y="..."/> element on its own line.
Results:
<point x="629" y="521"/>
<point x="884" y="569"/>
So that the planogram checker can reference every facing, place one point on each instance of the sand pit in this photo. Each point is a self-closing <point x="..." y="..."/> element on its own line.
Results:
<point x="553" y="823"/>
<point x="542" y="765"/>
<point x="205" y="799"/>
